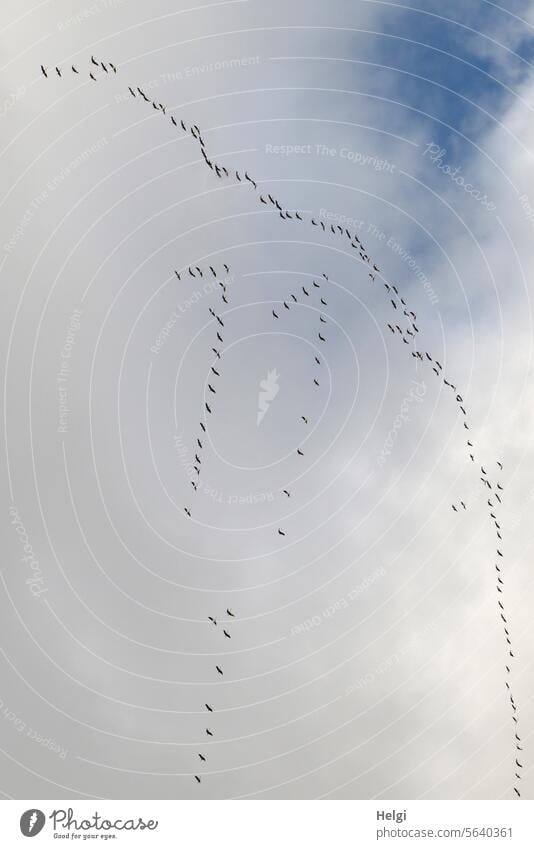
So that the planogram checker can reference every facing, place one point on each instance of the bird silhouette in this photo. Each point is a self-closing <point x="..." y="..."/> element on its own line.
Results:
<point x="229" y="612"/>
<point x="212" y="620"/>
<point x="187" y="511"/>
<point x="208" y="707"/>
<point x="202" y="758"/>
<point x="226" y="634"/>
<point x="285" y="491"/>
<point x="209" y="733"/>
<point x="300" y="453"/>
<point x="321" y="338"/>
<point x="219" y="670"/>
<point x="74" y="69"/>
<point x="197" y="778"/>
<point x="43" y="69"/>
<point x="208" y="408"/>
<point x="282" y="534"/>
<point x="275" y="314"/>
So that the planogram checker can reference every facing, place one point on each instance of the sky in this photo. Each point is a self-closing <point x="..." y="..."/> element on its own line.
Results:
<point x="366" y="656"/>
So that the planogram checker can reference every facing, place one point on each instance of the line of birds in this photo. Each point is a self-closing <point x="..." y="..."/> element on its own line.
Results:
<point x="408" y="335"/>
<point x="214" y="373"/>
<point x="95" y="64"/>
<point x="209" y="707"/>
<point x="219" y="323"/>
<point x="322" y="320"/>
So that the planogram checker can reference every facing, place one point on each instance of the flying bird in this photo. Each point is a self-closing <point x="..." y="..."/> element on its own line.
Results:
<point x="229" y="612"/>
<point x="219" y="670"/>
<point x="282" y="534"/>
<point x="209" y="733"/>
<point x="74" y="69"/>
<point x="286" y="493"/>
<point x="226" y="634"/>
<point x="321" y="338"/>
<point x="58" y="72"/>
<point x="208" y="707"/>
<point x="187" y="511"/>
<point x="202" y="758"/>
<point x="208" y="408"/>
<point x="212" y="620"/>
<point x="43" y="69"/>
<point x="197" y="778"/>
<point x="301" y="453"/>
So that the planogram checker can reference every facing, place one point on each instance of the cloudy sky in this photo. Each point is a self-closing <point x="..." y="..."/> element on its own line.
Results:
<point x="366" y="656"/>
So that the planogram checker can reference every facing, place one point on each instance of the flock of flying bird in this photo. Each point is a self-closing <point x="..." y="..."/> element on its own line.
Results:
<point x="405" y="329"/>
<point x="200" y="436"/>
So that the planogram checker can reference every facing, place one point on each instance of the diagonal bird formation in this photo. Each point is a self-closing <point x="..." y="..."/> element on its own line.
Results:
<point x="208" y="707"/>
<point x="404" y="328"/>
<point x="317" y="361"/>
<point x="194" y="272"/>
